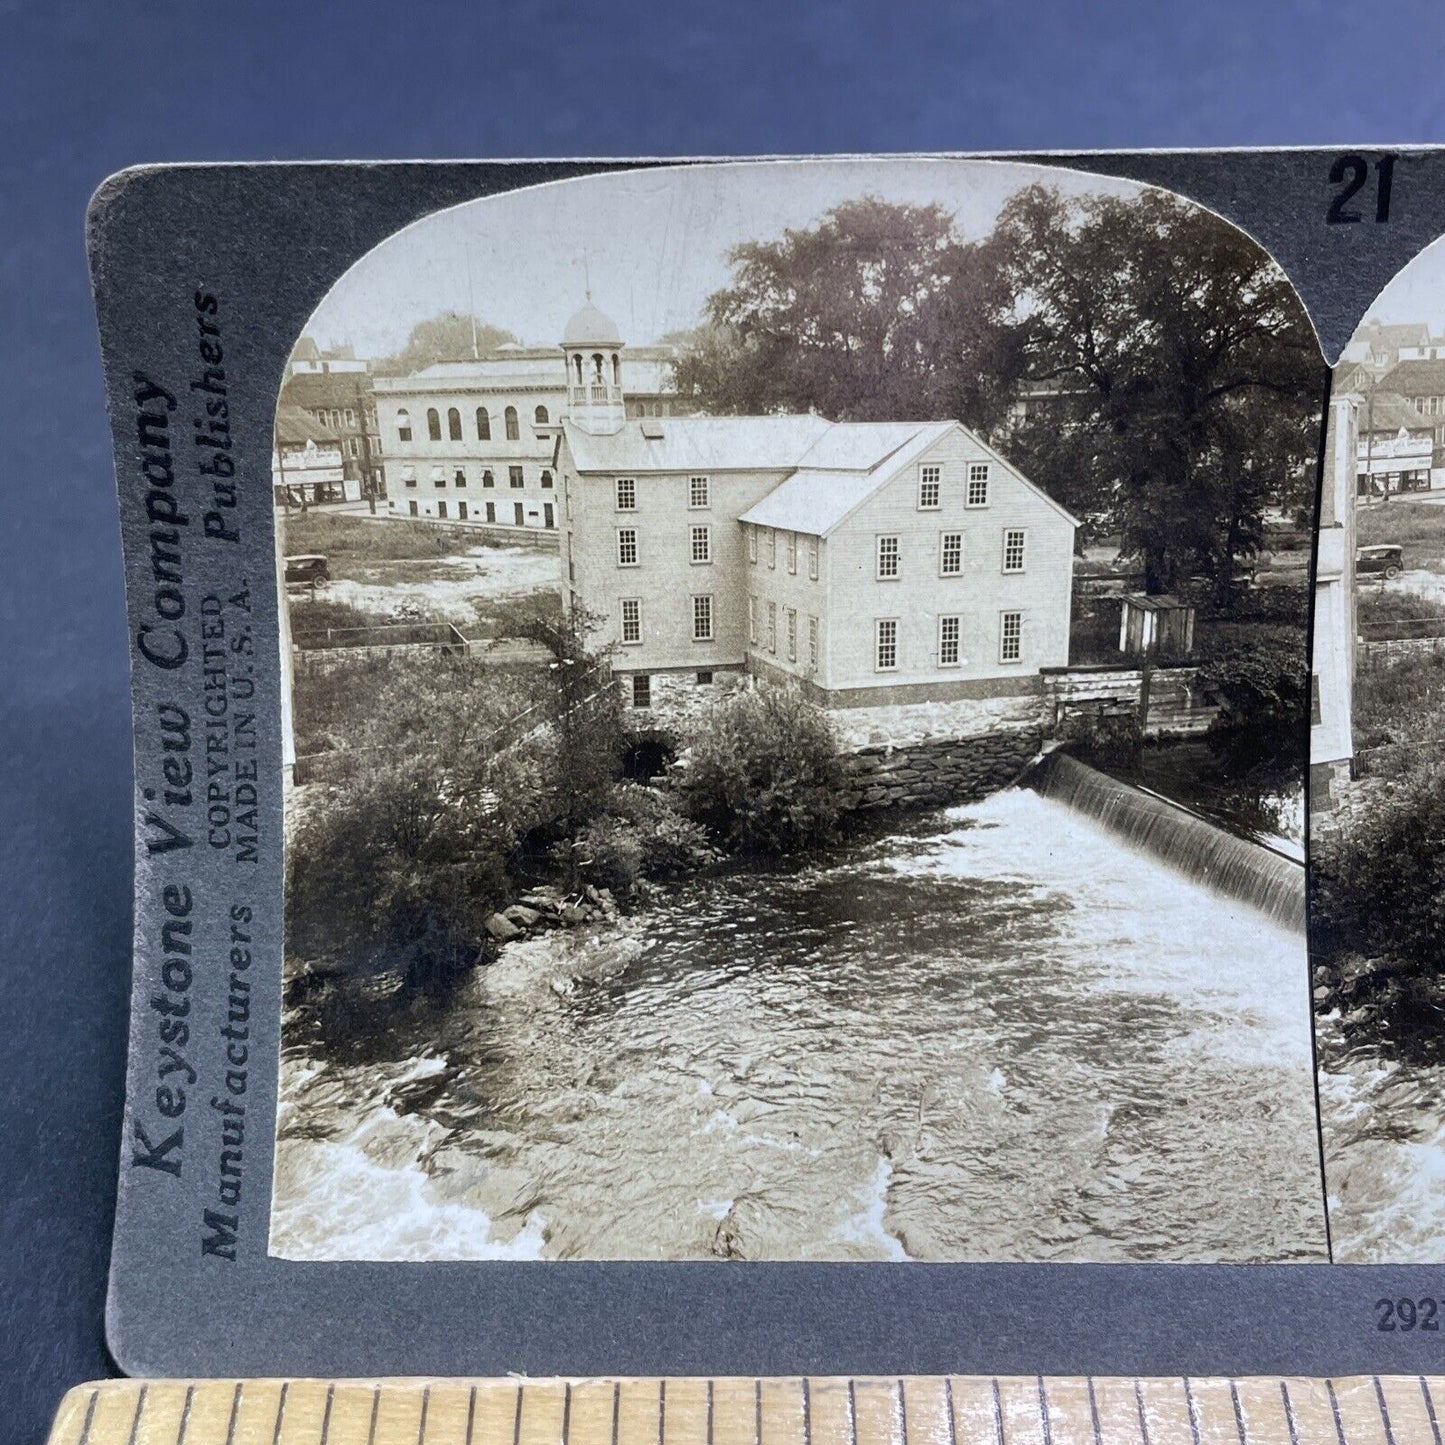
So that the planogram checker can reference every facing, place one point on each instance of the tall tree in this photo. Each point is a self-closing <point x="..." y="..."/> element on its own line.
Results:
<point x="838" y="318"/>
<point x="1186" y="377"/>
<point x="444" y="337"/>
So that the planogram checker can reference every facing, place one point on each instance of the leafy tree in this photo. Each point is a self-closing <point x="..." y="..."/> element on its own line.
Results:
<point x="444" y="337"/>
<point x="1188" y="377"/>
<point x="584" y="716"/>
<point x="838" y="318"/>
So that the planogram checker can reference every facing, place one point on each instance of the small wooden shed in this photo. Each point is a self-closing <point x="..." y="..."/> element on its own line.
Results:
<point x="1160" y="626"/>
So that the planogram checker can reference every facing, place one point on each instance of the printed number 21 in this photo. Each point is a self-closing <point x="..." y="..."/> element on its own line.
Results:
<point x="1352" y="172"/>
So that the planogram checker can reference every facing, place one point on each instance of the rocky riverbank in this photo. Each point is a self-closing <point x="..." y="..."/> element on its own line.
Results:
<point x="546" y="908"/>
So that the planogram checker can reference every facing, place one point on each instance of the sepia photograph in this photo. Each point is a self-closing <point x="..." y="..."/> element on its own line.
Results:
<point x="797" y="709"/>
<point x="1377" y="798"/>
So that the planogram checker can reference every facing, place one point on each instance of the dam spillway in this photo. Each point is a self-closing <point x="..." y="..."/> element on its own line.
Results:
<point x="1240" y="869"/>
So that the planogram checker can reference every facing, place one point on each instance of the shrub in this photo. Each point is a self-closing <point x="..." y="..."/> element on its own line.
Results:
<point x="1377" y="908"/>
<point x="762" y="773"/>
<point x="641" y="835"/>
<point x="1261" y="677"/>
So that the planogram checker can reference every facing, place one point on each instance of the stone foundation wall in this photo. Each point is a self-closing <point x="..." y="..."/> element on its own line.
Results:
<point x="940" y="771"/>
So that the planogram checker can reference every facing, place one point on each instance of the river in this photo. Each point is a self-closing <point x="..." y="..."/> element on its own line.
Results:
<point x="1384" y="1132"/>
<point x="995" y="1033"/>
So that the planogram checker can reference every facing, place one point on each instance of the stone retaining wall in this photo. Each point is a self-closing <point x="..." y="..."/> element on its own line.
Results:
<point x="1382" y="654"/>
<point x="940" y="771"/>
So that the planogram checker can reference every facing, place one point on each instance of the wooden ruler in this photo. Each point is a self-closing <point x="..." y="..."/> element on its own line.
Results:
<point x="914" y="1410"/>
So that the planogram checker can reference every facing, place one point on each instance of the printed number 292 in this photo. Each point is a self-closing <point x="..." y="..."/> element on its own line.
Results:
<point x="1352" y="173"/>
<point x="1407" y="1314"/>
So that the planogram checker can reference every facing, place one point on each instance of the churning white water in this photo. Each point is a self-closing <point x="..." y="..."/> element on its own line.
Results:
<point x="997" y="1034"/>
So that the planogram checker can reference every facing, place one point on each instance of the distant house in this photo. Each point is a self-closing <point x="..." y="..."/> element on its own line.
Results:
<point x="336" y="389"/>
<point x="306" y="460"/>
<point x="1396" y="446"/>
<point x="870" y="562"/>
<point x="1377" y="344"/>
<point x="472" y="440"/>
<point x="1422" y="385"/>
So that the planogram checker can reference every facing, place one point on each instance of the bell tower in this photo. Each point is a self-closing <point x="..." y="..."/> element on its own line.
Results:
<point x="592" y="348"/>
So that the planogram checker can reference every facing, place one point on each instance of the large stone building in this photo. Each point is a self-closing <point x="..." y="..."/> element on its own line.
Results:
<point x="872" y="562"/>
<point x="472" y="440"/>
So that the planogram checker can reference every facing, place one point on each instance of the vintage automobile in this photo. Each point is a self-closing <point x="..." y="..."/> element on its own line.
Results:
<point x="1379" y="561"/>
<point x="310" y="568"/>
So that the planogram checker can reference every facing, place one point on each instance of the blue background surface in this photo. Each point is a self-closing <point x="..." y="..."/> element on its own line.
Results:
<point x="88" y="88"/>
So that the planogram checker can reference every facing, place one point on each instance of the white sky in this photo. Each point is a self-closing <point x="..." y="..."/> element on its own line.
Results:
<point x="655" y="242"/>
<point x="1417" y="292"/>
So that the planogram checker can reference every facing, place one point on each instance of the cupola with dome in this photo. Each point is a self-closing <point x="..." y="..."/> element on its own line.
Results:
<point x="592" y="346"/>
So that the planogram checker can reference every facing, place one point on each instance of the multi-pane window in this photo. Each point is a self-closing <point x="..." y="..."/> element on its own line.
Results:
<point x="930" y="487"/>
<point x="700" y="544"/>
<point x="793" y="553"/>
<point x="813" y="558"/>
<point x="1013" y="549"/>
<point x="885" y="644"/>
<point x="1010" y="636"/>
<point x="540" y="416"/>
<point x="631" y="620"/>
<point x="509" y="417"/>
<point x="950" y="554"/>
<point x="888" y="556"/>
<point x="702" y="618"/>
<point x="403" y="426"/>
<point x="792" y="635"/>
<point x="514" y="476"/>
<point x="641" y="690"/>
<point x="813" y="642"/>
<point x="626" y="494"/>
<point x="753" y="545"/>
<point x="948" y="634"/>
<point x="627" y="546"/>
<point x="772" y="548"/>
<point x="752" y="619"/>
<point x="454" y="424"/>
<point x="697" y="492"/>
<point x="977" y="495"/>
<point x="433" y="424"/>
<point x="772" y="626"/>
<point x="488" y="480"/>
<point x="484" y="425"/>
<point x="459" y="478"/>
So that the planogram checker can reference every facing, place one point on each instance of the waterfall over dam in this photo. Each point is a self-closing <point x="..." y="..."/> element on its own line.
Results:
<point x="1251" y="872"/>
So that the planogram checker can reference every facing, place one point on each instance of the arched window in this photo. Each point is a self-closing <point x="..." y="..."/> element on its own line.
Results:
<point x="403" y="425"/>
<point x="596" y="366"/>
<point x="540" y="416"/>
<point x="454" y="424"/>
<point x="577" y="367"/>
<point x="616" y="370"/>
<point x="513" y="431"/>
<point x="484" y="425"/>
<point x="433" y="424"/>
